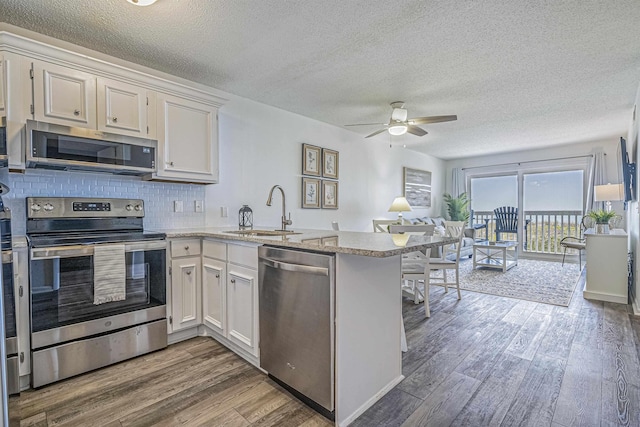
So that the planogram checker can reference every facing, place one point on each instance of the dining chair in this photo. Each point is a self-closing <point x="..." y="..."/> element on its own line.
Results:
<point x="577" y="243"/>
<point x="415" y="266"/>
<point x="445" y="263"/>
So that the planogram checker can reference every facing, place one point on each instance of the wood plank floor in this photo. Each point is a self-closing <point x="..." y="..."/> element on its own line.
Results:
<point x="483" y="360"/>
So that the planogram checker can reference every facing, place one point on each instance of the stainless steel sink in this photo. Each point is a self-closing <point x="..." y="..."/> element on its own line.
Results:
<point x="263" y="232"/>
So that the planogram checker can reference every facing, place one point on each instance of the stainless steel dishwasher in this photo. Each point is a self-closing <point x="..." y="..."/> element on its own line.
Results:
<point x="297" y="330"/>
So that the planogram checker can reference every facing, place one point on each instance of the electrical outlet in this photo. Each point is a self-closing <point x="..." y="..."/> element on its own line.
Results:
<point x="198" y="205"/>
<point x="224" y="212"/>
<point x="178" y="206"/>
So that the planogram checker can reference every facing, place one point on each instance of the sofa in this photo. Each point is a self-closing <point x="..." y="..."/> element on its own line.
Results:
<point x="467" y="242"/>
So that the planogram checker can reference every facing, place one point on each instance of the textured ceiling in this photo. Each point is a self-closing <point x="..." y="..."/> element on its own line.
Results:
<point x="519" y="74"/>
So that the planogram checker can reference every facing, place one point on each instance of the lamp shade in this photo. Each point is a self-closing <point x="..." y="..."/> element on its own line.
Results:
<point x="608" y="192"/>
<point x="400" y="204"/>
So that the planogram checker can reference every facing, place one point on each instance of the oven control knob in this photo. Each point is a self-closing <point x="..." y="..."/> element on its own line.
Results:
<point x="36" y="207"/>
<point x="138" y="207"/>
<point x="129" y="207"/>
<point x="48" y="207"/>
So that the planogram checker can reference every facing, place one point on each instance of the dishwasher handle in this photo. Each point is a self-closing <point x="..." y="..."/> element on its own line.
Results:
<point x="320" y="271"/>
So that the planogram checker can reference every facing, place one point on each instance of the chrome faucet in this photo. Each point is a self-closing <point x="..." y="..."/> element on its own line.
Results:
<point x="285" y="221"/>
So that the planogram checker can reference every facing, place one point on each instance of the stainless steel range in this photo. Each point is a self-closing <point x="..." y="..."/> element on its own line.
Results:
<point x="97" y="285"/>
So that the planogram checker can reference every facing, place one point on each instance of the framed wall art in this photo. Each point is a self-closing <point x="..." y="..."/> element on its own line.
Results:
<point x="311" y="193"/>
<point x="311" y="160"/>
<point x="330" y="163"/>
<point x="417" y="187"/>
<point x="329" y="195"/>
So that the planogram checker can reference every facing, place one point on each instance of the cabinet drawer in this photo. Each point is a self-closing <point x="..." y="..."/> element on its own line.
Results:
<point x="185" y="247"/>
<point x="213" y="249"/>
<point x="243" y="255"/>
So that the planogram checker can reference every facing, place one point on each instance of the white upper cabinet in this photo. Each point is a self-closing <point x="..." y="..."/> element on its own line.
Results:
<point x="187" y="140"/>
<point x="64" y="96"/>
<point x="69" y="97"/>
<point x="122" y="108"/>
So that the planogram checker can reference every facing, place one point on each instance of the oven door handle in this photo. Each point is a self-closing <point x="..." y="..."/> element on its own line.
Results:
<point x="87" y="250"/>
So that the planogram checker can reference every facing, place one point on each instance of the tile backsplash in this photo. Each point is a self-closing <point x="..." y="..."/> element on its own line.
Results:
<point x="158" y="196"/>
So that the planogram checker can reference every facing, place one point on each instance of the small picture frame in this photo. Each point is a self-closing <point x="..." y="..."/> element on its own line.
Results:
<point x="330" y="163"/>
<point x="329" y="195"/>
<point x="311" y="160"/>
<point x="311" y="193"/>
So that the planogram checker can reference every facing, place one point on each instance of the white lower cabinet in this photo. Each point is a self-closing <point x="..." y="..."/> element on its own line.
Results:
<point x="242" y="302"/>
<point x="214" y="293"/>
<point x="186" y="284"/>
<point x="230" y="292"/>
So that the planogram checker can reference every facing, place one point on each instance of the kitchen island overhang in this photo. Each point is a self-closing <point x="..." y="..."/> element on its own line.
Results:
<point x="368" y="305"/>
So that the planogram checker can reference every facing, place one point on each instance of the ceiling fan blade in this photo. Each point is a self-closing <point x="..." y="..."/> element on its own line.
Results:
<point x="432" y="119"/>
<point x="415" y="130"/>
<point x="368" y="124"/>
<point x="375" y="133"/>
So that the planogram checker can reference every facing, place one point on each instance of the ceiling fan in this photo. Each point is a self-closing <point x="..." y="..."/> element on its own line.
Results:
<point x="399" y="124"/>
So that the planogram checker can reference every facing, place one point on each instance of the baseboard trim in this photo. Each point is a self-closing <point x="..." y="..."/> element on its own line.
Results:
<point x="183" y="335"/>
<point x="207" y="332"/>
<point x="369" y="403"/>
<point x="605" y="297"/>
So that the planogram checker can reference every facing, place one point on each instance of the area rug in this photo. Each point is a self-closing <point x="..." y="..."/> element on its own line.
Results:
<point x="531" y="280"/>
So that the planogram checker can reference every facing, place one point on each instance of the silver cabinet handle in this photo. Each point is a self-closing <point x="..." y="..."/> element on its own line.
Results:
<point x="170" y="163"/>
<point x="76" y="112"/>
<point x="114" y="120"/>
<point x="188" y="272"/>
<point x="217" y="276"/>
<point x="233" y="280"/>
<point x="186" y="248"/>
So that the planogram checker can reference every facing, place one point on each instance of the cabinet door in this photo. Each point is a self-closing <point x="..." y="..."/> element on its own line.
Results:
<point x="64" y="96"/>
<point x="122" y="108"/>
<point x="187" y="140"/>
<point x="185" y="292"/>
<point x="242" y="308"/>
<point x="214" y="294"/>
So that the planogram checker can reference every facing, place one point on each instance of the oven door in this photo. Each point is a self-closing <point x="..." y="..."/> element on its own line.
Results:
<point x="62" y="284"/>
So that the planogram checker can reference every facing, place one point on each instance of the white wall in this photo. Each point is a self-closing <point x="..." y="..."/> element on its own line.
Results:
<point x="610" y="148"/>
<point x="261" y="146"/>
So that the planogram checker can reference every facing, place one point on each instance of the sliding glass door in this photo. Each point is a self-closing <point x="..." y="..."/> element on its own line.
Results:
<point x="487" y="194"/>
<point x="549" y="202"/>
<point x="553" y="207"/>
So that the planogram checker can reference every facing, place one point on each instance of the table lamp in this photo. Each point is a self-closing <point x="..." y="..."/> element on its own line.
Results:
<point x="400" y="205"/>
<point x="608" y="193"/>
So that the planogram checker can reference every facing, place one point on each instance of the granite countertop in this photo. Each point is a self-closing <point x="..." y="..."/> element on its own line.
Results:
<point x="379" y="245"/>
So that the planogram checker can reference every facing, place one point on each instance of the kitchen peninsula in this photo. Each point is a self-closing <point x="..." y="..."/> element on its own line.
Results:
<point x="367" y="298"/>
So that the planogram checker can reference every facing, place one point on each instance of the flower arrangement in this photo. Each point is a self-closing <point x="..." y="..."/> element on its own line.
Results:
<point x="601" y="216"/>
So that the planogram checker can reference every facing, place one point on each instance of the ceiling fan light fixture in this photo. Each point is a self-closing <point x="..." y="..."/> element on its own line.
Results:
<point x="398" y="129"/>
<point x="142" y="2"/>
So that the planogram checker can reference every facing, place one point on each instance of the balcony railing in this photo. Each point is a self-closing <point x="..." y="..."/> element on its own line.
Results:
<point x="544" y="230"/>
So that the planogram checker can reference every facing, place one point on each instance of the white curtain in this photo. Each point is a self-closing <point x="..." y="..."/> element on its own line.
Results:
<point x="458" y="183"/>
<point x="597" y="176"/>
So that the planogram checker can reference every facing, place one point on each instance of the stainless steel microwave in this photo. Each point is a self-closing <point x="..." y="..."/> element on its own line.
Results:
<point x="51" y="146"/>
